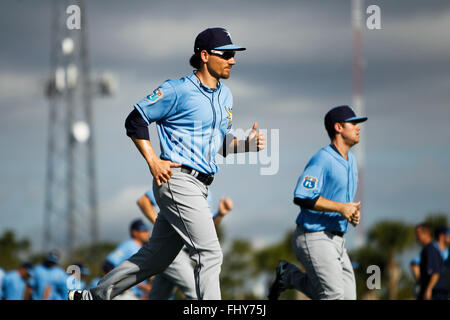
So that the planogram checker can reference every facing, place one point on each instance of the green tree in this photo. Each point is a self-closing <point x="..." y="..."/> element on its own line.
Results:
<point x="364" y="257"/>
<point x="391" y="238"/>
<point x="238" y="271"/>
<point x="266" y="260"/>
<point x="436" y="219"/>
<point x="12" y="249"/>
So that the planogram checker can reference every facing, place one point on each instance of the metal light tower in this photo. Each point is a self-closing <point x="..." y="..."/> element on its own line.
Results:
<point x="70" y="216"/>
<point x="358" y="103"/>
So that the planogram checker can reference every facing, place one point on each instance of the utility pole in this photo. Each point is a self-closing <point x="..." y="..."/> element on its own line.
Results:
<point x="358" y="105"/>
<point x="71" y="215"/>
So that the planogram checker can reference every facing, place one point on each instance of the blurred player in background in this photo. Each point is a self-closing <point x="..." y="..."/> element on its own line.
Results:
<point x="441" y="244"/>
<point x="180" y="272"/>
<point x="48" y="280"/>
<point x="139" y="234"/>
<point x="15" y="283"/>
<point x="432" y="286"/>
<point x="2" y="274"/>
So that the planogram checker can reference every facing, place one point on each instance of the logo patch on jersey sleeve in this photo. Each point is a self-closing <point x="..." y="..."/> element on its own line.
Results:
<point x="309" y="183"/>
<point x="229" y="117"/>
<point x="155" y="96"/>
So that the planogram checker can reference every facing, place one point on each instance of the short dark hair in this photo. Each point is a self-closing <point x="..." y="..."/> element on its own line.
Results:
<point x="439" y="230"/>
<point x="195" y="60"/>
<point x="331" y="131"/>
<point x="425" y="226"/>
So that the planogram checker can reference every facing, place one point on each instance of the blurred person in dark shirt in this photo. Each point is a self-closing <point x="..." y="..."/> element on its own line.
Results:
<point x="431" y="283"/>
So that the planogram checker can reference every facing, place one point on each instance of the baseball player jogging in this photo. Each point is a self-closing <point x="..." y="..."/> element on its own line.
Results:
<point x="193" y="118"/>
<point x="180" y="273"/>
<point x="325" y="193"/>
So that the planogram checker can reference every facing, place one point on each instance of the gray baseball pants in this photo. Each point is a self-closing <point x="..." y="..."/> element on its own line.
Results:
<point x="179" y="274"/>
<point x="329" y="273"/>
<point x="184" y="219"/>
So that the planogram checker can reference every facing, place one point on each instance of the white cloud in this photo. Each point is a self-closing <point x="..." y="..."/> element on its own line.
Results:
<point x="119" y="210"/>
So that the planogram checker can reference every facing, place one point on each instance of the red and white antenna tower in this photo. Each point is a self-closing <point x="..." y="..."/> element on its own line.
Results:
<point x="358" y="105"/>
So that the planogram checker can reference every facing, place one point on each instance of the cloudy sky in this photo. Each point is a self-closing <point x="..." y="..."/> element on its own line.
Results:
<point x="298" y="65"/>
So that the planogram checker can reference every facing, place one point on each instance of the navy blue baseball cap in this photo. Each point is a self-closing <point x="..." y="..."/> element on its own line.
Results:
<point x="341" y="114"/>
<point x="215" y="39"/>
<point x="27" y="266"/>
<point x="139" y="225"/>
<point x="53" y="256"/>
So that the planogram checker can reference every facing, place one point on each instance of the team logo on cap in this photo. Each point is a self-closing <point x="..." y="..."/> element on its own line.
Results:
<point x="310" y="183"/>
<point x="155" y="96"/>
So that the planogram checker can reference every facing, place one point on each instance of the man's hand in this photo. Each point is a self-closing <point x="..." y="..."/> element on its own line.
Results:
<point x="161" y="171"/>
<point x="225" y="205"/>
<point x="356" y="218"/>
<point x="255" y="140"/>
<point x="350" y="210"/>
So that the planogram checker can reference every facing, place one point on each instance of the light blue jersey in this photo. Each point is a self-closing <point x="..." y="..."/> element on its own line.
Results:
<point x="124" y="251"/>
<point x="13" y="286"/>
<point x="151" y="196"/>
<point x="58" y="283"/>
<point x="328" y="175"/>
<point x="55" y="277"/>
<point x="2" y="274"/>
<point x="192" y="121"/>
<point x="94" y="283"/>
<point x="40" y="278"/>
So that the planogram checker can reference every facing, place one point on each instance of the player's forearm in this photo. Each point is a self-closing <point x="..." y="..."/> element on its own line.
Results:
<point x="433" y="280"/>
<point x="323" y="204"/>
<point x="416" y="271"/>
<point x="147" y="209"/>
<point x="233" y="145"/>
<point x="145" y="148"/>
<point x="47" y="292"/>
<point x="218" y="219"/>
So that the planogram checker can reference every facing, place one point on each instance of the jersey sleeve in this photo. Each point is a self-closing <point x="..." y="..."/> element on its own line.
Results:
<point x="309" y="185"/>
<point x="415" y="261"/>
<point x="117" y="256"/>
<point x="158" y="105"/>
<point x="151" y="196"/>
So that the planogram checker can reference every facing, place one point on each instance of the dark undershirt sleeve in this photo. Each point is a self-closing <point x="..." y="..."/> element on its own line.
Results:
<point x="136" y="126"/>
<point x="306" y="203"/>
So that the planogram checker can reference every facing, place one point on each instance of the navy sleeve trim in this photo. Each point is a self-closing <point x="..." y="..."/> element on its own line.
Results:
<point x="136" y="126"/>
<point x="306" y="203"/>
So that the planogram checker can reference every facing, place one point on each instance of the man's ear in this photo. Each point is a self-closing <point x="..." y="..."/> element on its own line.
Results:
<point x="338" y="127"/>
<point x="204" y="56"/>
